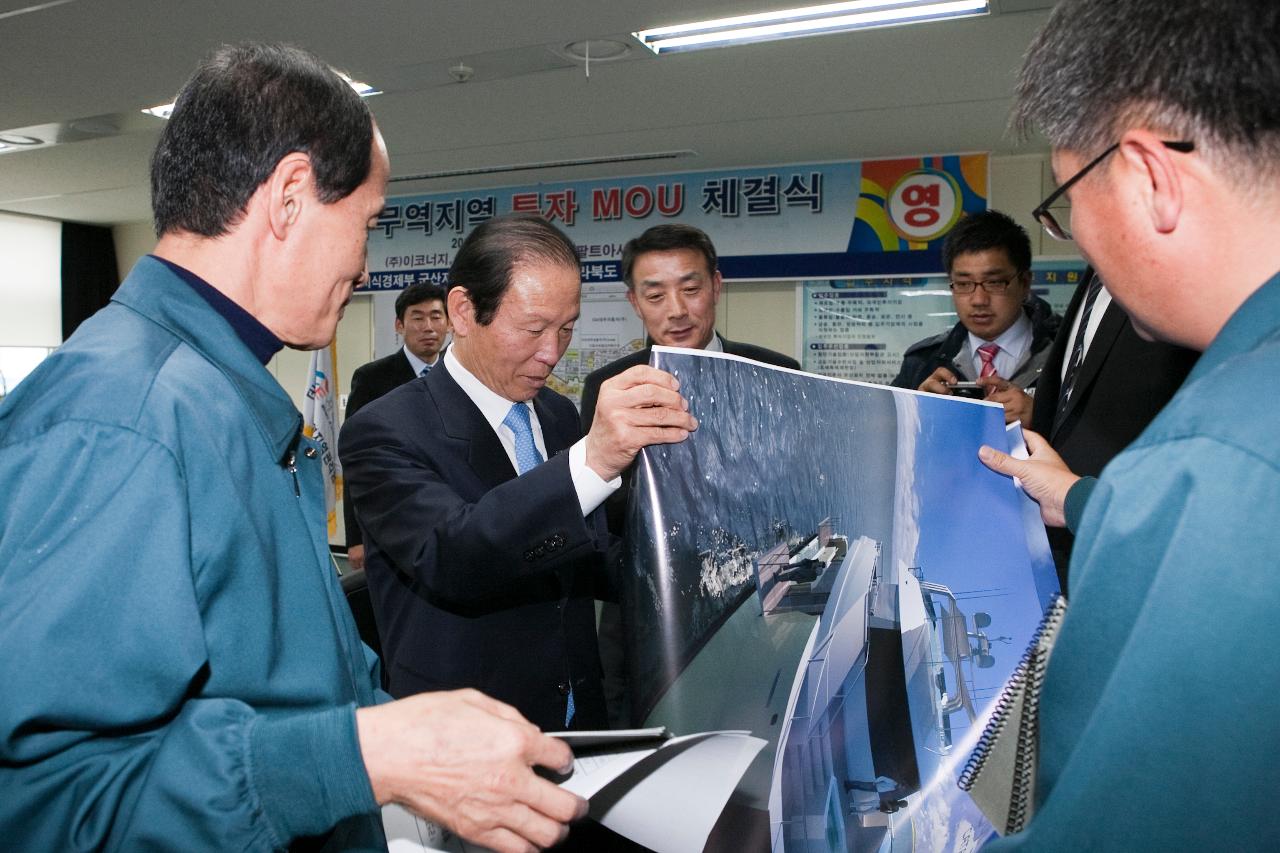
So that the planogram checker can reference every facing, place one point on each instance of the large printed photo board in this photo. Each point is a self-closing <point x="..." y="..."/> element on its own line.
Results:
<point x="828" y="565"/>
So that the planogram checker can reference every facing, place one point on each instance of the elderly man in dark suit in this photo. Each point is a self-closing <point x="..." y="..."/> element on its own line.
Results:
<point x="482" y="557"/>
<point x="422" y="319"/>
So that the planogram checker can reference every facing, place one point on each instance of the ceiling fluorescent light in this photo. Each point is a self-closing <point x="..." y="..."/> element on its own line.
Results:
<point x="364" y="90"/>
<point x="805" y="21"/>
<point x="40" y="7"/>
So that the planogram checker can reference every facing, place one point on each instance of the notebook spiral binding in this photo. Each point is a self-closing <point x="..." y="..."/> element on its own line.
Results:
<point x="1022" y="692"/>
<point x="995" y="725"/>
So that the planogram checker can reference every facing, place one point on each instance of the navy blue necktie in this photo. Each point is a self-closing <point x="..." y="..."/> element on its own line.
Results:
<point x="1077" y="349"/>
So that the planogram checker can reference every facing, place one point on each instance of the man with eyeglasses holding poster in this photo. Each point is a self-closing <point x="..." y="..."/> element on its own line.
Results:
<point x="1157" y="719"/>
<point x="998" y="348"/>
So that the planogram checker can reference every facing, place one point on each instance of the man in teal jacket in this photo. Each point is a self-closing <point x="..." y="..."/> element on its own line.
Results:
<point x="180" y="669"/>
<point x="1158" y="715"/>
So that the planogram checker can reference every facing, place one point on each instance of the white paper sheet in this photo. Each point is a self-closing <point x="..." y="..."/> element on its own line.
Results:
<point x="682" y="789"/>
<point x="666" y="795"/>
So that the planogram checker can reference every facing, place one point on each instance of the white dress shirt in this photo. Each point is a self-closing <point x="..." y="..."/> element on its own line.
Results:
<point x="591" y="490"/>
<point x="1100" y="304"/>
<point x="416" y="363"/>
<point x="1014" y="343"/>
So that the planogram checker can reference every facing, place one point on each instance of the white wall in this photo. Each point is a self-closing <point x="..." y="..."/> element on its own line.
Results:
<point x="30" y="281"/>
<point x="132" y="240"/>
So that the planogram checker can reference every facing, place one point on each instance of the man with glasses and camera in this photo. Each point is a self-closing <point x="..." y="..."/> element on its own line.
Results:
<point x="1157" y="722"/>
<point x="998" y="348"/>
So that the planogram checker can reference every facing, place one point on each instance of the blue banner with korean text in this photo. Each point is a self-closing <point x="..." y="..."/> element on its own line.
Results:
<point x="806" y="221"/>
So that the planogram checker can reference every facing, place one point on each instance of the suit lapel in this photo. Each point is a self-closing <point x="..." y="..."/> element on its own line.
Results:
<point x="464" y="422"/>
<point x="557" y="436"/>
<point x="1050" y="384"/>
<point x="964" y="361"/>
<point x="1113" y="321"/>
<point x="403" y="368"/>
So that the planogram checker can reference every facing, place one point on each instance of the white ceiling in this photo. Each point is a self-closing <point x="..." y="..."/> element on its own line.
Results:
<point x="933" y="88"/>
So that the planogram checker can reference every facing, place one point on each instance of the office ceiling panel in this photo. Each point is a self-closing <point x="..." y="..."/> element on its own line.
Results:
<point x="905" y="90"/>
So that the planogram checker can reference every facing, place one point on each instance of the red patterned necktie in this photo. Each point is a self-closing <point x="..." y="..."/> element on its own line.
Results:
<point x="987" y="352"/>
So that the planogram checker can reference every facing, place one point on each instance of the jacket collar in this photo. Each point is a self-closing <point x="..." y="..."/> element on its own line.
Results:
<point x="718" y="343"/>
<point x="1104" y="338"/>
<point x="1251" y="324"/>
<point x="157" y="293"/>
<point x="1044" y="328"/>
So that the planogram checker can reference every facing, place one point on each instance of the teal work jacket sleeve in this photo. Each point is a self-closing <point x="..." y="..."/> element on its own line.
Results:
<point x="1160" y="687"/>
<point x="109" y="737"/>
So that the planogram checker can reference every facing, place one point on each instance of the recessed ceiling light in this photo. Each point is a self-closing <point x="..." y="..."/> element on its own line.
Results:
<point x="19" y="139"/>
<point x="804" y="21"/>
<point x="595" y="50"/>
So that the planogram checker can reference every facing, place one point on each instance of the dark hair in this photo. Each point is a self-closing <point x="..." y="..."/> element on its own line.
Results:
<point x="416" y="294"/>
<point x="244" y="109"/>
<point x="665" y="238"/>
<point x="1205" y="71"/>
<point x="484" y="263"/>
<point x="990" y="229"/>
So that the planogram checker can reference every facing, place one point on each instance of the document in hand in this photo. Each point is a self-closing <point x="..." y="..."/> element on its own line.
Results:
<point x="663" y="792"/>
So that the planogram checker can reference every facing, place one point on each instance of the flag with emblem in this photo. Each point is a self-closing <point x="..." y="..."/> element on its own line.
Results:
<point x="320" y="423"/>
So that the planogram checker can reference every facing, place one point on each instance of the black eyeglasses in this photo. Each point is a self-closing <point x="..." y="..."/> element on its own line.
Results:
<point x="993" y="286"/>
<point x="1046" y="218"/>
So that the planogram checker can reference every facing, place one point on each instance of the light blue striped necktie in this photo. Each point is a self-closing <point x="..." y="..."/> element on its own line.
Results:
<point x="527" y="457"/>
<point x="426" y="368"/>
<point x="517" y="420"/>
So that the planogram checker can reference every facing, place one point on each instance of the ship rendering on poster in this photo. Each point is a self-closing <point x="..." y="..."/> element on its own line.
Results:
<point x="828" y="565"/>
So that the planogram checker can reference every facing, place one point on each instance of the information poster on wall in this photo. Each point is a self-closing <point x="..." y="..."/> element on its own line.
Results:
<point x="787" y="222"/>
<point x="860" y="328"/>
<point x="607" y="329"/>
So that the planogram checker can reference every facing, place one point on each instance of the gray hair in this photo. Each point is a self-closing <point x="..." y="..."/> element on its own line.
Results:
<point x="1206" y="71"/>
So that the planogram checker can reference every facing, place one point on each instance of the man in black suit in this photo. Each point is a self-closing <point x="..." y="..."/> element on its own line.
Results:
<point x="1100" y="387"/>
<point x="482" y="557"/>
<point x="422" y="320"/>
<point x="673" y="284"/>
